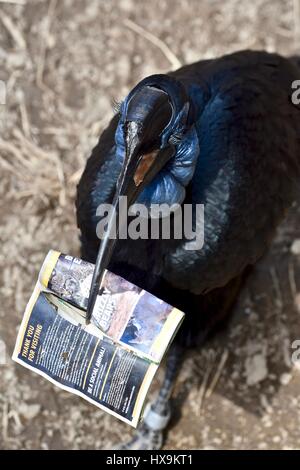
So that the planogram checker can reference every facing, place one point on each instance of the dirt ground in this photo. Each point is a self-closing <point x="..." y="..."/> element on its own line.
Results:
<point x="64" y="62"/>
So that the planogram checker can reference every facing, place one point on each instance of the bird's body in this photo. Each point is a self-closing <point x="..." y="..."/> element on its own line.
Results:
<point x="247" y="132"/>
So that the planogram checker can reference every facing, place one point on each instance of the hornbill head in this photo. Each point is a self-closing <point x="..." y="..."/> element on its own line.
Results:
<point x="156" y="142"/>
<point x="157" y="148"/>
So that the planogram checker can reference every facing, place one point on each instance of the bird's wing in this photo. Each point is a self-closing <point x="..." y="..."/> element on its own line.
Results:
<point x="248" y="168"/>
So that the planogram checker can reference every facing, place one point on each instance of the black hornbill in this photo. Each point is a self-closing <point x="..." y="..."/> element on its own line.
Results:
<point x="223" y="133"/>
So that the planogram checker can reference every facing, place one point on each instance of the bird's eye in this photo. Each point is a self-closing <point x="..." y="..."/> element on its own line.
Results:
<point x="175" y="139"/>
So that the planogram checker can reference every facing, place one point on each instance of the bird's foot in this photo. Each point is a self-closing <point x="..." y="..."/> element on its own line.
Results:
<point x="149" y="434"/>
<point x="144" y="439"/>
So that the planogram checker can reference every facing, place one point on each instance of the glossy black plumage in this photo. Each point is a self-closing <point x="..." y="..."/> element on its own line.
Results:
<point x="247" y="175"/>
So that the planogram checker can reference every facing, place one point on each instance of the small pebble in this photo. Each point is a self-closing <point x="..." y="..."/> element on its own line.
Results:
<point x="285" y="378"/>
<point x="29" y="411"/>
<point x="256" y="369"/>
<point x="295" y="248"/>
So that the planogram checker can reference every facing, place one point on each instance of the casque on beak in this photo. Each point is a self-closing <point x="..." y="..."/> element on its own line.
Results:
<point x="139" y="168"/>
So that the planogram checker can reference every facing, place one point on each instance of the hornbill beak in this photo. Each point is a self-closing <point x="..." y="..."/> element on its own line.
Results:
<point x="139" y="169"/>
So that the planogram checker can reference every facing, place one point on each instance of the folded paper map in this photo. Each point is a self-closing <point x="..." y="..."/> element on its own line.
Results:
<point x="110" y="361"/>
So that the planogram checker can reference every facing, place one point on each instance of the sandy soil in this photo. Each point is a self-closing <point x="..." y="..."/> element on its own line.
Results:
<point x="63" y="64"/>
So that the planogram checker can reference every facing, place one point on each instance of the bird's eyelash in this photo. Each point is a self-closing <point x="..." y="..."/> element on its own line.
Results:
<point x="116" y="106"/>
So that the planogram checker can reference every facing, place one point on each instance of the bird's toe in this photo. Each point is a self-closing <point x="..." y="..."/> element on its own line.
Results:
<point x="144" y="439"/>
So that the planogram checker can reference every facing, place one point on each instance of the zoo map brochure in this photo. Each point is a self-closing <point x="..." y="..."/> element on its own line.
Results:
<point x="110" y="361"/>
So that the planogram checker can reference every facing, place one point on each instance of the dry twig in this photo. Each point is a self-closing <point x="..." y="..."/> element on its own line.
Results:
<point x="25" y="120"/>
<point x="13" y="30"/>
<point x="14" y="2"/>
<point x="44" y="46"/>
<point x="217" y="375"/>
<point x="175" y="62"/>
<point x="277" y="289"/>
<point x="296" y="5"/>
<point x="202" y="390"/>
<point x="292" y="280"/>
